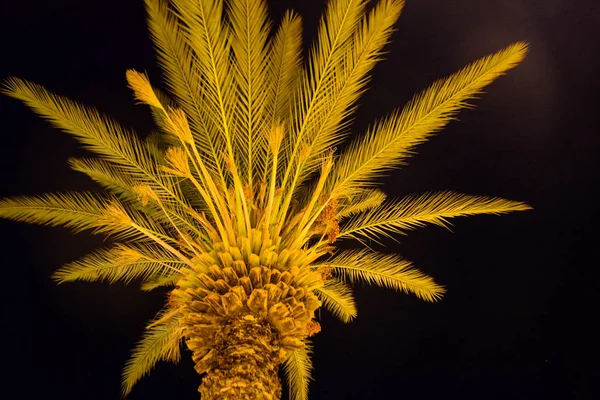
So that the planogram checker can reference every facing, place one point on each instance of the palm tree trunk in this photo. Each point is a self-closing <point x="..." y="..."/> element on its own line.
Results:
<point x="245" y="364"/>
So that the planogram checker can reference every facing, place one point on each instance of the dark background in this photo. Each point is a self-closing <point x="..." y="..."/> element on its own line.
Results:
<point x="518" y="319"/>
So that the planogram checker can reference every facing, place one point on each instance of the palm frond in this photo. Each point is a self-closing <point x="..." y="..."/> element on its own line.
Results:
<point x="249" y="32"/>
<point x="120" y="263"/>
<point x="297" y="368"/>
<point x="415" y="211"/>
<point x="385" y="270"/>
<point x="209" y="40"/>
<point x="78" y="211"/>
<point x="106" y="174"/>
<point x="142" y="88"/>
<point x="310" y="100"/>
<point x="285" y="62"/>
<point x="338" y="299"/>
<point x="160" y="343"/>
<point x="391" y="140"/>
<point x="160" y="281"/>
<point x="95" y="131"/>
<point x="351" y="77"/>
<point x="176" y="58"/>
<point x="361" y="201"/>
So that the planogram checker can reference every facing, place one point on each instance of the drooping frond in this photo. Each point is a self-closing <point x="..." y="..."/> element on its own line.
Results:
<point x="390" y="141"/>
<point x="415" y="211"/>
<point x="78" y="211"/>
<point x="159" y="343"/>
<point x="385" y="270"/>
<point x="297" y="368"/>
<point x="120" y="263"/>
<point x="338" y="299"/>
<point x="363" y="200"/>
<point x="95" y="131"/>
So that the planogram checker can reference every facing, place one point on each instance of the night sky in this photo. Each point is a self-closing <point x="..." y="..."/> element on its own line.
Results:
<point x="517" y="321"/>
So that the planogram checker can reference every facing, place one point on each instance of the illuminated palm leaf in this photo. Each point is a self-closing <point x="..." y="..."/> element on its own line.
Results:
<point x="391" y="140"/>
<point x="160" y="343"/>
<point x="120" y="263"/>
<point x="297" y="368"/>
<point x="385" y="270"/>
<point x="337" y="298"/>
<point x="416" y="211"/>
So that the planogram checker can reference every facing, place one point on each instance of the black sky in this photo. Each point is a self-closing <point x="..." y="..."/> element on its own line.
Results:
<point x="518" y="320"/>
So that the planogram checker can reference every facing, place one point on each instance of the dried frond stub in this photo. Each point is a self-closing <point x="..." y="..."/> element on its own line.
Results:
<point x="327" y="222"/>
<point x="313" y="327"/>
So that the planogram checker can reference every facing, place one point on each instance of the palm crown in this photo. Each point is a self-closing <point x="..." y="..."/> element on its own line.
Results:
<point x="237" y="200"/>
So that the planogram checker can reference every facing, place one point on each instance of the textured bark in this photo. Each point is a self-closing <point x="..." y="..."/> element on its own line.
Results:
<point x="246" y="363"/>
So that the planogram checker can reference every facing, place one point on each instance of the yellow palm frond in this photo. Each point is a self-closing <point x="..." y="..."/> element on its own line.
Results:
<point x="361" y="201"/>
<point x="351" y="77"/>
<point x="385" y="270"/>
<point x="415" y="211"/>
<point x="165" y="280"/>
<point x="209" y="40"/>
<point x="106" y="174"/>
<point x="175" y="58"/>
<point x="160" y="343"/>
<point x="184" y="81"/>
<point x="95" y="131"/>
<point x="78" y="211"/>
<point x="390" y="141"/>
<point x="283" y="69"/>
<point x="297" y="368"/>
<point x="120" y="263"/>
<point x="142" y="88"/>
<point x="338" y="299"/>
<point x="335" y="32"/>
<point x="285" y="62"/>
<point x="250" y="30"/>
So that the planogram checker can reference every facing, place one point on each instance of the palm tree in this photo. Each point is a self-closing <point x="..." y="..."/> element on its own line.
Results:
<point x="236" y="202"/>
